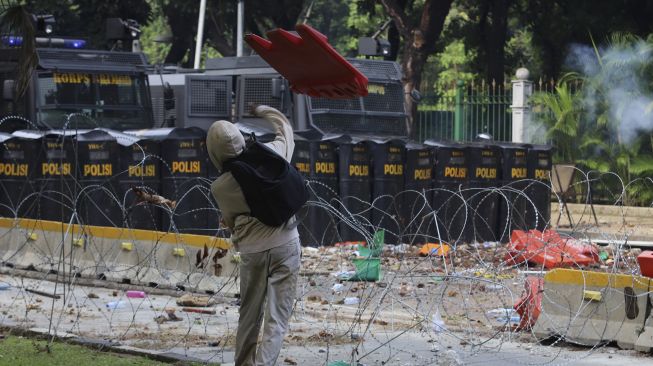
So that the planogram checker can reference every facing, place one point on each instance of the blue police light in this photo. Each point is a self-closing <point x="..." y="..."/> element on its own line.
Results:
<point x="17" y="41"/>
<point x="74" y="43"/>
<point x="12" y="41"/>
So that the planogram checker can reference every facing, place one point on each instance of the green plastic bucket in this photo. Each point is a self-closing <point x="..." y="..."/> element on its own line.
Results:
<point x="367" y="269"/>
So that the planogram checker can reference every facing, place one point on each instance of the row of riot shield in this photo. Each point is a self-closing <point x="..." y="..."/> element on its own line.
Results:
<point x="419" y="193"/>
<point x="344" y="205"/>
<point x="160" y="180"/>
<point x="482" y="191"/>
<point x="152" y="180"/>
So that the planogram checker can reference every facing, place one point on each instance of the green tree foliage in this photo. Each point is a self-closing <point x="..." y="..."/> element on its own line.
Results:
<point x="453" y="61"/>
<point x="521" y="52"/>
<point x="484" y="28"/>
<point x="363" y="21"/>
<point x="344" y="22"/>
<point x="452" y="64"/>
<point x="332" y="19"/>
<point x="560" y="113"/>
<point x="155" y="37"/>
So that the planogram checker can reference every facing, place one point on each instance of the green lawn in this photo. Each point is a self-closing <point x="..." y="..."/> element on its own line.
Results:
<point x="18" y="351"/>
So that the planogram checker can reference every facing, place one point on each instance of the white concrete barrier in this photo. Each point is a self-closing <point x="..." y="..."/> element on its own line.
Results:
<point x="589" y="308"/>
<point x="122" y="255"/>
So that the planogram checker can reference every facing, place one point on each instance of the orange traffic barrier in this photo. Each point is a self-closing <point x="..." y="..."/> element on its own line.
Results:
<point x="529" y="306"/>
<point x="434" y="249"/>
<point x="549" y="249"/>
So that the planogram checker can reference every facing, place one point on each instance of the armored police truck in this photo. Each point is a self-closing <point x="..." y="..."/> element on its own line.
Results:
<point x="76" y="88"/>
<point x="230" y="84"/>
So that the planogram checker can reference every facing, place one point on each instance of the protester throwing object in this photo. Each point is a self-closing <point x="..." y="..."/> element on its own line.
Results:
<point x="258" y="194"/>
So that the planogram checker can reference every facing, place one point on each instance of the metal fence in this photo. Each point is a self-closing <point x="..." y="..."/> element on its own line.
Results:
<point x="463" y="111"/>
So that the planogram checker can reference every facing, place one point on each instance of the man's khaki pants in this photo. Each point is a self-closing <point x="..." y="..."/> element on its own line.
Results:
<point x="272" y="274"/>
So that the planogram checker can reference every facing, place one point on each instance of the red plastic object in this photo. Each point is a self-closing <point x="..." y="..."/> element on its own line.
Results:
<point x="549" y="249"/>
<point x="529" y="306"/>
<point x="309" y="63"/>
<point x="645" y="260"/>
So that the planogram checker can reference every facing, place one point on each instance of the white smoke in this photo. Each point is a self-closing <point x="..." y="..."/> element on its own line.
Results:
<point x="535" y="132"/>
<point x="616" y="85"/>
<point x="582" y="58"/>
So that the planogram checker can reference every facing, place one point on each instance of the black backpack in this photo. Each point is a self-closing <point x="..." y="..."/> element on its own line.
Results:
<point x="274" y="190"/>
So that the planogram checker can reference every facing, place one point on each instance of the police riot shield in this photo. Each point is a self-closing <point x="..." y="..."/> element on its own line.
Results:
<point x="538" y="214"/>
<point x="415" y="213"/>
<point x="387" y="185"/>
<point x="55" y="176"/>
<point x="482" y="197"/>
<point x="355" y="190"/>
<point x="140" y="173"/>
<point x="98" y="157"/>
<point x="183" y="180"/>
<point x="17" y="172"/>
<point x="324" y="189"/>
<point x="513" y="201"/>
<point x="301" y="160"/>
<point x="450" y="179"/>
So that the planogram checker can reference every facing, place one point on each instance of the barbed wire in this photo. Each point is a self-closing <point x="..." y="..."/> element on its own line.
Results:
<point x="454" y="306"/>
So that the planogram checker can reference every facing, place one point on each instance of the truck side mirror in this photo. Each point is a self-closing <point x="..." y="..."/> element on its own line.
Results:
<point x="9" y="90"/>
<point x="415" y="95"/>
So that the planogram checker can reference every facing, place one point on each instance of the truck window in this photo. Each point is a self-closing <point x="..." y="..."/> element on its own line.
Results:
<point x="88" y="100"/>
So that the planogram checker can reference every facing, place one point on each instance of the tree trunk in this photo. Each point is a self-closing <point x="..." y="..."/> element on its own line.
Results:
<point x="217" y="33"/>
<point x="412" y="64"/>
<point x="419" y="41"/>
<point x="493" y="33"/>
<point x="182" y="33"/>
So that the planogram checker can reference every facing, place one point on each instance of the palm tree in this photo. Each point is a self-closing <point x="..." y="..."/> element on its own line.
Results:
<point x="15" y="20"/>
<point x="560" y="113"/>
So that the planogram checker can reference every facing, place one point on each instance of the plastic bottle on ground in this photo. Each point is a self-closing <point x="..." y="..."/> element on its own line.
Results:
<point x="116" y="305"/>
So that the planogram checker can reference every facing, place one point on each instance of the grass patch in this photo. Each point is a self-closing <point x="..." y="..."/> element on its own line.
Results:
<point x="18" y="351"/>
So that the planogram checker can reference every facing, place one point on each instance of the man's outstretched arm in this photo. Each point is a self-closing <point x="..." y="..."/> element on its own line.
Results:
<point x="284" y="142"/>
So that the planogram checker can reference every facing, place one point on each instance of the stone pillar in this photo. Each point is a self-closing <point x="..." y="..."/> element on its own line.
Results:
<point x="522" y="88"/>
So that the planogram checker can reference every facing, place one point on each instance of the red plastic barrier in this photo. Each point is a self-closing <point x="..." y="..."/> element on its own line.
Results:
<point x="309" y="63"/>
<point x="549" y="249"/>
<point x="529" y="306"/>
<point x="645" y="260"/>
